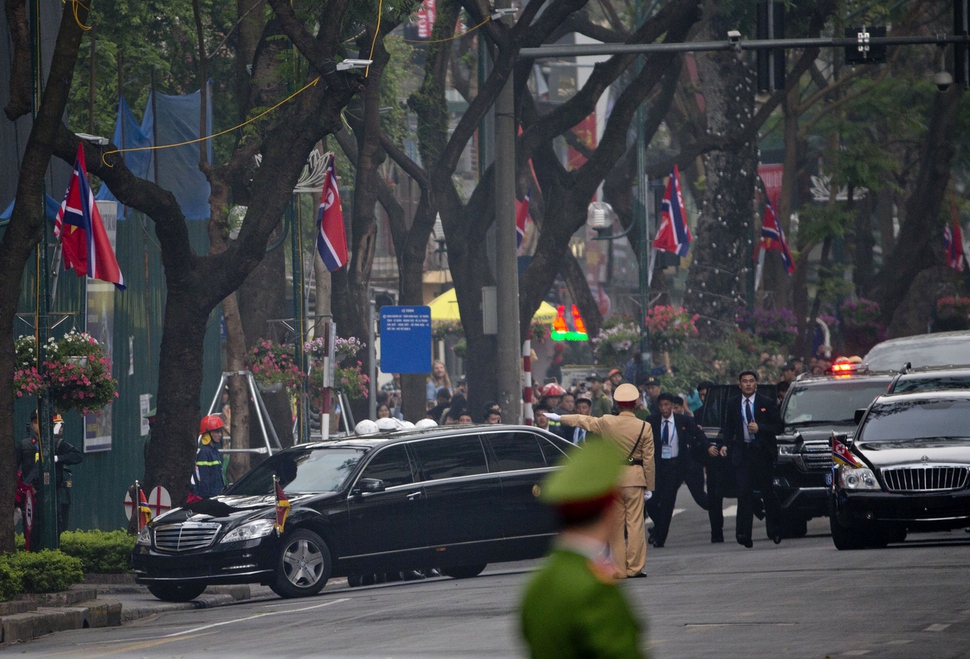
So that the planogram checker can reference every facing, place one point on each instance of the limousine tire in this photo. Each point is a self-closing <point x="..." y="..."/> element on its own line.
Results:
<point x="177" y="592"/>
<point x="303" y="565"/>
<point x="355" y="580"/>
<point x="846" y="538"/>
<point x="463" y="571"/>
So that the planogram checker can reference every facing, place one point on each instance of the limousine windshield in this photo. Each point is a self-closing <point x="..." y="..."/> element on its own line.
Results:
<point x="310" y="470"/>
<point x="920" y="419"/>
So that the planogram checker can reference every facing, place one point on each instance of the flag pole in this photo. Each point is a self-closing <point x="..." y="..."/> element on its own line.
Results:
<point x="650" y="266"/>
<point x="760" y="268"/>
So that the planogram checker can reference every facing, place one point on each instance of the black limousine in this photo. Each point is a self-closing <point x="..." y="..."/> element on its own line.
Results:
<point x="451" y="498"/>
<point x="912" y="454"/>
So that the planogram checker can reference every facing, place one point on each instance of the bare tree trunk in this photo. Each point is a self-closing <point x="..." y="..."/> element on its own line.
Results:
<point x="722" y="248"/>
<point x="236" y="357"/>
<point x="921" y="230"/>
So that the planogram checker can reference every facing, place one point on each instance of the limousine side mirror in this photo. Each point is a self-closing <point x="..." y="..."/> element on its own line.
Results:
<point x="858" y="415"/>
<point x="368" y="485"/>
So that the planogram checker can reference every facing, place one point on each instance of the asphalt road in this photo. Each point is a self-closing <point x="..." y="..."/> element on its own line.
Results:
<point x="802" y="598"/>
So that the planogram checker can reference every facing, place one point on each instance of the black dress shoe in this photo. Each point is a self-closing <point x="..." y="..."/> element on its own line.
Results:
<point x="717" y="538"/>
<point x="745" y="541"/>
<point x="638" y="575"/>
<point x="776" y="538"/>
<point x="657" y="545"/>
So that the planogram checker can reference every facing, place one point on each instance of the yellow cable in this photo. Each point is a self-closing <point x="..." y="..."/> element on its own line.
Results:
<point x="77" y="19"/>
<point x="312" y="83"/>
<point x="377" y="30"/>
<point x="457" y="36"/>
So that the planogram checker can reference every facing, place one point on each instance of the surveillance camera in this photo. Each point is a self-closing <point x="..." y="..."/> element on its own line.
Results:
<point x="943" y="80"/>
<point x="734" y="36"/>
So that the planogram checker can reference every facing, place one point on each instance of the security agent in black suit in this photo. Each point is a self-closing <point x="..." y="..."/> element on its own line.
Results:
<point x="675" y="436"/>
<point x="748" y="441"/>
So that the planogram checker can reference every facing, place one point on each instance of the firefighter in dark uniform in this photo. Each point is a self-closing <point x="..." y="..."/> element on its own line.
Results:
<point x="572" y="606"/>
<point x="208" y="480"/>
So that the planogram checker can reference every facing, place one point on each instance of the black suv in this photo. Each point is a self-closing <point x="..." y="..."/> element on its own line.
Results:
<point x="814" y="408"/>
<point x="907" y="469"/>
<point x="454" y="499"/>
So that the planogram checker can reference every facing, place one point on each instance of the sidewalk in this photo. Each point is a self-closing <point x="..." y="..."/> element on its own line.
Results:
<point x="109" y="601"/>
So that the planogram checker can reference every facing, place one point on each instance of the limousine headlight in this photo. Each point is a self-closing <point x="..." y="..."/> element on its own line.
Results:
<point x="858" y="479"/>
<point x="250" y="531"/>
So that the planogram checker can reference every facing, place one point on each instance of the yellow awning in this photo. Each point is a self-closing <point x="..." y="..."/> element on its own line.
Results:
<point x="445" y="307"/>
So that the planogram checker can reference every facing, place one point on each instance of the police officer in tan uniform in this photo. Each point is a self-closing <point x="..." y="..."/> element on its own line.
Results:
<point x="634" y="438"/>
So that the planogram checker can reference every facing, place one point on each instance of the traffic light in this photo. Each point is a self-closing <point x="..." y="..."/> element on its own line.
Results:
<point x="771" y="62"/>
<point x="961" y="54"/>
<point x="862" y="52"/>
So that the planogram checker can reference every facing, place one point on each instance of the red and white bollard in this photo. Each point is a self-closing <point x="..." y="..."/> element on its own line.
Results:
<point x="527" y="414"/>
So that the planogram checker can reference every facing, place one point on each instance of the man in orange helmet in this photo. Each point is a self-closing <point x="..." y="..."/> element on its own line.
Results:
<point x="207" y="480"/>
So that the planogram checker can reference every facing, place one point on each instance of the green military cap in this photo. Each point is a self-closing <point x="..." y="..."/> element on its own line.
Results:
<point x="589" y="473"/>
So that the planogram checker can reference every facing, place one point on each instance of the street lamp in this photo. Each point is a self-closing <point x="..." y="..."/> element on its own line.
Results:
<point x="600" y="216"/>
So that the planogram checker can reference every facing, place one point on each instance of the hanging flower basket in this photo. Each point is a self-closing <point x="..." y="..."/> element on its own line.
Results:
<point x="77" y="372"/>
<point x="274" y="365"/>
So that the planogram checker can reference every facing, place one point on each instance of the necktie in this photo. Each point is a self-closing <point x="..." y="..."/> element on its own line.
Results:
<point x="749" y="417"/>
<point x="665" y="433"/>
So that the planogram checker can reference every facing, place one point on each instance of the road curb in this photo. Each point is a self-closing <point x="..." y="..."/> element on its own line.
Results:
<point x="63" y="612"/>
<point x="46" y="620"/>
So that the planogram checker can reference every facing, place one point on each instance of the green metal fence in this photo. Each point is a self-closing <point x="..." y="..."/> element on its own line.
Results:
<point x="101" y="480"/>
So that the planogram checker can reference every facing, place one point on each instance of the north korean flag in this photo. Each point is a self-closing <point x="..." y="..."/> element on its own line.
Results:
<point x="84" y="241"/>
<point x="953" y="244"/>
<point x="773" y="238"/>
<point x="331" y="237"/>
<point x="673" y="234"/>
<point x="521" y="217"/>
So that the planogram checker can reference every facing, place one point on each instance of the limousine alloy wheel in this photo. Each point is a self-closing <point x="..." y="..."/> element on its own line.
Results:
<point x="303" y="565"/>
<point x="177" y="591"/>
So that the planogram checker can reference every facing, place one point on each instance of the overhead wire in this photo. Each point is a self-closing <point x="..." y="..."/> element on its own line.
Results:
<point x="312" y="83"/>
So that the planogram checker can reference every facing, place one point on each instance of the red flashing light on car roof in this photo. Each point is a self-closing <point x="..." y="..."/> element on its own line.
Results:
<point x="843" y="368"/>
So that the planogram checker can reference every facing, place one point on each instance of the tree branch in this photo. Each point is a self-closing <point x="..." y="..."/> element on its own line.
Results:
<point x="20" y="84"/>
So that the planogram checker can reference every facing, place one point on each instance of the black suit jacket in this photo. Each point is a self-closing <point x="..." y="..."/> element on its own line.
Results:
<point x="769" y="422"/>
<point x="689" y="436"/>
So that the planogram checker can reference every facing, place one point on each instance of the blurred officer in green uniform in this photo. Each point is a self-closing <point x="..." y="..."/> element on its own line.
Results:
<point x="572" y="606"/>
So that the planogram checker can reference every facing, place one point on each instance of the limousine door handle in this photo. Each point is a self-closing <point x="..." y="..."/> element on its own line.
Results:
<point x="414" y="496"/>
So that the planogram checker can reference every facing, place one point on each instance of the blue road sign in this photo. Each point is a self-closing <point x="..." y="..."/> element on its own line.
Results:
<point x="405" y="339"/>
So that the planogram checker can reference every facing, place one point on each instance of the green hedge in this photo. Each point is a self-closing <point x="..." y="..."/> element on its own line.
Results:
<point x="100" y="551"/>
<point x="11" y="579"/>
<point x="50" y="571"/>
<point x="45" y="571"/>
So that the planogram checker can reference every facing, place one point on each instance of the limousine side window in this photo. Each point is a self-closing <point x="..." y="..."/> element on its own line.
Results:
<point x="553" y="451"/>
<point x="516" y="450"/>
<point x="391" y="466"/>
<point x="450" y="457"/>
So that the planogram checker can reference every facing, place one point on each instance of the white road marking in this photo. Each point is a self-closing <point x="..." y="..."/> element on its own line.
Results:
<point x="258" y="615"/>
<point x="855" y="653"/>
<point x="938" y="627"/>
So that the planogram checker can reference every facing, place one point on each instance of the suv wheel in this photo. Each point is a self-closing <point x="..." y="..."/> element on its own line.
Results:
<point x="177" y="592"/>
<point x="302" y="566"/>
<point x="846" y="538"/>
